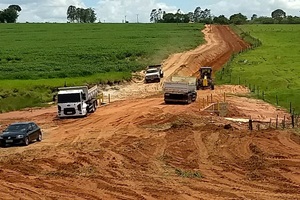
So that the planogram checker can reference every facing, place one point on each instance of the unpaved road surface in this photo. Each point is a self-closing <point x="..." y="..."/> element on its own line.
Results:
<point x="139" y="148"/>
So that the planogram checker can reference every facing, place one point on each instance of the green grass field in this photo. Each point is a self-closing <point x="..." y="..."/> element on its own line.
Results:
<point x="37" y="58"/>
<point x="272" y="70"/>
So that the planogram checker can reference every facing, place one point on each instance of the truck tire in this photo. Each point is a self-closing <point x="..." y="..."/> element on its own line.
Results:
<point x="194" y="97"/>
<point x="212" y="87"/>
<point x="189" y="99"/>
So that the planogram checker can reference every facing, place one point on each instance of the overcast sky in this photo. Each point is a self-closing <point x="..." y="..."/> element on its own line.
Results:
<point x="139" y="10"/>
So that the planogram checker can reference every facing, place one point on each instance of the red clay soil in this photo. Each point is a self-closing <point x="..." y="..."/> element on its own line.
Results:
<point x="140" y="148"/>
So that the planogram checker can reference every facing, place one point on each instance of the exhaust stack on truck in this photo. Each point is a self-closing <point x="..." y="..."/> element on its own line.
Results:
<point x="76" y="101"/>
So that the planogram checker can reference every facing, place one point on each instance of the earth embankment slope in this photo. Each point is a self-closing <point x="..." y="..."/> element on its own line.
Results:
<point x="140" y="148"/>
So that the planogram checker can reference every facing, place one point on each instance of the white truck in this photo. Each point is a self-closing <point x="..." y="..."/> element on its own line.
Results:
<point x="180" y="89"/>
<point x="154" y="73"/>
<point x="76" y="101"/>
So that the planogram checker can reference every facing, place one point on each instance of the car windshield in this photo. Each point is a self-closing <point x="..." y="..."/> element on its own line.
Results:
<point x="16" y="127"/>
<point x="68" y="98"/>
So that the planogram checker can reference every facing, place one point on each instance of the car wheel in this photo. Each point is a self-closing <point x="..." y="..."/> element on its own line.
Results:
<point x="2" y="144"/>
<point x="40" y="137"/>
<point x="26" y="141"/>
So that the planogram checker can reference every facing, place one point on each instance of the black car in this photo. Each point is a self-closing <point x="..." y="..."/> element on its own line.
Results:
<point x="21" y="133"/>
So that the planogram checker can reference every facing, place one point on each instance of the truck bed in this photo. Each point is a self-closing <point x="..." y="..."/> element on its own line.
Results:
<point x="180" y="85"/>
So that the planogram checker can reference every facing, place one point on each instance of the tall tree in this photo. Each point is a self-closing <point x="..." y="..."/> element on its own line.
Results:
<point x="197" y="14"/>
<point x="205" y="16"/>
<point x="156" y="15"/>
<point x="81" y="15"/>
<point x="191" y="16"/>
<point x="10" y="14"/>
<point x="71" y="13"/>
<point x="153" y="15"/>
<point x="2" y="19"/>
<point x="15" y="7"/>
<point x="238" y="19"/>
<point x="221" y="20"/>
<point x="278" y="14"/>
<point x="254" y="17"/>
<point x="159" y="14"/>
<point x="92" y="15"/>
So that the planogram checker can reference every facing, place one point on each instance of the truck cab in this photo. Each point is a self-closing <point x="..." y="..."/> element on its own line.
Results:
<point x="71" y="103"/>
<point x="76" y="101"/>
<point x="153" y="73"/>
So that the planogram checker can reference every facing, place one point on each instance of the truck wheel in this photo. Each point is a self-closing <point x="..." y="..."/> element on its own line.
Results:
<point x="194" y="97"/>
<point x="212" y="87"/>
<point x="189" y="99"/>
<point x="92" y="108"/>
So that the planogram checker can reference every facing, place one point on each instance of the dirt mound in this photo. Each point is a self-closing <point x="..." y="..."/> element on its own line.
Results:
<point x="141" y="148"/>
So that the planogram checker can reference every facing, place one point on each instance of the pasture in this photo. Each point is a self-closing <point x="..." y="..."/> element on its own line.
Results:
<point x="272" y="70"/>
<point x="37" y="58"/>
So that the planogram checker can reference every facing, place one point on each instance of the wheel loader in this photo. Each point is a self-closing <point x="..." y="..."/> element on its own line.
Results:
<point x="205" y="80"/>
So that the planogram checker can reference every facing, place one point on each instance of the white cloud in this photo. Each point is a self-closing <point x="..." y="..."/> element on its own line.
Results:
<point x="134" y="10"/>
<point x="43" y="11"/>
<point x="248" y="8"/>
<point x="116" y="10"/>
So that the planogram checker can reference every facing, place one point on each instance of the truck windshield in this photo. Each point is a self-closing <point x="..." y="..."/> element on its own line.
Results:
<point x="151" y="71"/>
<point x="68" y="98"/>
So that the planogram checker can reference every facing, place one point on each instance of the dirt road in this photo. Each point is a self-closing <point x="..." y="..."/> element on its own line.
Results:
<point x="140" y="148"/>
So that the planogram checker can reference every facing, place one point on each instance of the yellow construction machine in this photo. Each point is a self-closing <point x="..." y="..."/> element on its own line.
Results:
<point x="205" y="80"/>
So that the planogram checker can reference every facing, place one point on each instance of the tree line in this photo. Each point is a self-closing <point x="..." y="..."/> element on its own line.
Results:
<point x="199" y="15"/>
<point x="81" y="15"/>
<point x="10" y="14"/>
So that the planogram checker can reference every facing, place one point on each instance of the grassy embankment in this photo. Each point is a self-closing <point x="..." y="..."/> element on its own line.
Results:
<point x="37" y="58"/>
<point x="271" y="70"/>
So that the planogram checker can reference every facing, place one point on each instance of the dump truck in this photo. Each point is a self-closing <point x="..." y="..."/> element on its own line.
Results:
<point x="205" y="81"/>
<point x="180" y="89"/>
<point x="77" y="101"/>
<point x="154" y="73"/>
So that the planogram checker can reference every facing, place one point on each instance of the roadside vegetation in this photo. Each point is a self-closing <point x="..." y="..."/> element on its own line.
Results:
<point x="271" y="70"/>
<point x="35" y="59"/>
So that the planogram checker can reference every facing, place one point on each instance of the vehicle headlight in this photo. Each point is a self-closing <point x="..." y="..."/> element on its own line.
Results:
<point x="19" y="136"/>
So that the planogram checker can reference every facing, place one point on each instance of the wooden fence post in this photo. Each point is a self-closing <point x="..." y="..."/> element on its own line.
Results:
<point x="293" y="120"/>
<point x="250" y="124"/>
<point x="283" y="122"/>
